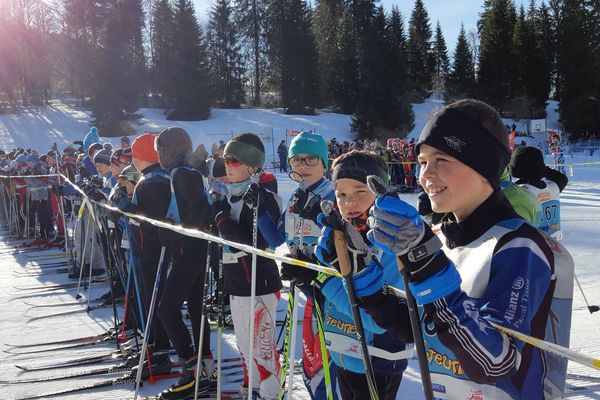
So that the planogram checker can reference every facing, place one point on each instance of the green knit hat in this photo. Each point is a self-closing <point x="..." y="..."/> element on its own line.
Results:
<point x="309" y="143"/>
<point x="246" y="148"/>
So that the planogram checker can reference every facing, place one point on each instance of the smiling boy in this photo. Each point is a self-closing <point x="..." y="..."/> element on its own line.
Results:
<point x="486" y="264"/>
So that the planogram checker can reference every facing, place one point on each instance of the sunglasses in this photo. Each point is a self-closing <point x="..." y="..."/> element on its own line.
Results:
<point x="232" y="162"/>
<point x="309" y="161"/>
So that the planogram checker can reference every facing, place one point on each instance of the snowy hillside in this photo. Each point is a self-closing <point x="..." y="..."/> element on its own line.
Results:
<point x="63" y="122"/>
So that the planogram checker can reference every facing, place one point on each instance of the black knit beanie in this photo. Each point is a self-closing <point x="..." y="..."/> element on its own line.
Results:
<point x="174" y="147"/>
<point x="527" y="163"/>
<point x="247" y="148"/>
<point x="457" y="133"/>
<point x="102" y="157"/>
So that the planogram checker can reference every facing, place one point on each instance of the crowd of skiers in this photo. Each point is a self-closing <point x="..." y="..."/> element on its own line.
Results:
<point x="476" y="249"/>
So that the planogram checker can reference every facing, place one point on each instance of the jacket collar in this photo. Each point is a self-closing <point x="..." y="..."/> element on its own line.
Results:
<point x="494" y="209"/>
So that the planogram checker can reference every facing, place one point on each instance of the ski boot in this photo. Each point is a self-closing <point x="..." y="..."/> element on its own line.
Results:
<point x="161" y="364"/>
<point x="96" y="272"/>
<point x="185" y="386"/>
<point x="244" y="393"/>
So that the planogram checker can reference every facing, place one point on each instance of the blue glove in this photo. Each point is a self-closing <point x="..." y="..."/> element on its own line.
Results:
<point x="360" y="253"/>
<point x="397" y="228"/>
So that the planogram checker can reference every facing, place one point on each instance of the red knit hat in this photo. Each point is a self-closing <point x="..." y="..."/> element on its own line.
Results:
<point x="143" y="149"/>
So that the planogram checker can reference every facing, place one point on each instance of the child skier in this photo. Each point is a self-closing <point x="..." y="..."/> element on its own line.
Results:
<point x="485" y="265"/>
<point x="150" y="198"/>
<point x="244" y="157"/>
<point x="185" y="281"/>
<point x="307" y="157"/>
<point x="349" y="175"/>
<point x="527" y="165"/>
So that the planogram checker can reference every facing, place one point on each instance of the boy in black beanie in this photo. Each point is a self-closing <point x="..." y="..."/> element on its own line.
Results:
<point x="485" y="266"/>
<point x="527" y="165"/>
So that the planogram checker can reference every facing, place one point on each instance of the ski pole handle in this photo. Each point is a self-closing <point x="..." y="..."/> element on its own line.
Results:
<point x="341" y="248"/>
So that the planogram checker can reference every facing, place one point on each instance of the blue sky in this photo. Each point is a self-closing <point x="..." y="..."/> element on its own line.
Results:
<point x="450" y="13"/>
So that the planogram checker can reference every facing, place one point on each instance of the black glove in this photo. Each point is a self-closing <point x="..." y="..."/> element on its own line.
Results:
<point x="300" y="275"/>
<point x="120" y="198"/>
<point x="210" y="213"/>
<point x="299" y="199"/>
<point x="252" y="195"/>
<point x="303" y="206"/>
<point x="95" y="194"/>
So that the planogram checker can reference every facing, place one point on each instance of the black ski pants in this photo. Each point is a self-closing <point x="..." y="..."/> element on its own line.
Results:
<point x="185" y="282"/>
<point x="354" y="386"/>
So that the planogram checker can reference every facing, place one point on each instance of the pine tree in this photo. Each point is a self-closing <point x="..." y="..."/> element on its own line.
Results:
<point x="555" y="7"/>
<point x="532" y="84"/>
<point x="593" y="16"/>
<point x="162" y="50"/>
<point x="274" y="39"/>
<point x="440" y="61"/>
<point x="419" y="52"/>
<point x="579" y="107"/>
<point x="461" y="79"/>
<point x="345" y="63"/>
<point x="191" y="97"/>
<point x="496" y="77"/>
<point x="250" y="19"/>
<point x="396" y="109"/>
<point x="225" y="57"/>
<point x="118" y="73"/>
<point x="546" y="33"/>
<point x="327" y="23"/>
<point x="369" y="27"/>
<point x="299" y="90"/>
<point x="82" y="24"/>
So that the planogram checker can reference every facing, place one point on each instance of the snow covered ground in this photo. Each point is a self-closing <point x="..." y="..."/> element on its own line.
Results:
<point x="64" y="123"/>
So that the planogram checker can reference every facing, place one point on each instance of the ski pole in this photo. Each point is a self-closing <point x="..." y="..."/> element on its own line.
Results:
<point x="251" y="364"/>
<point x="199" y="348"/>
<point x="294" y="320"/>
<point x="61" y="208"/>
<point x="85" y="242"/>
<point x="379" y="188"/>
<point x="103" y="225"/>
<point x="593" y="308"/>
<point x="220" y="320"/>
<point x="153" y="301"/>
<point x="323" y="347"/>
<point x="415" y="325"/>
<point x="341" y="249"/>
<point x="91" y="256"/>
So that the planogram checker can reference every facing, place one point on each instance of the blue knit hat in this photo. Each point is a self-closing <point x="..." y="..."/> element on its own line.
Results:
<point x="90" y="138"/>
<point x="21" y="158"/>
<point x="309" y="143"/>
